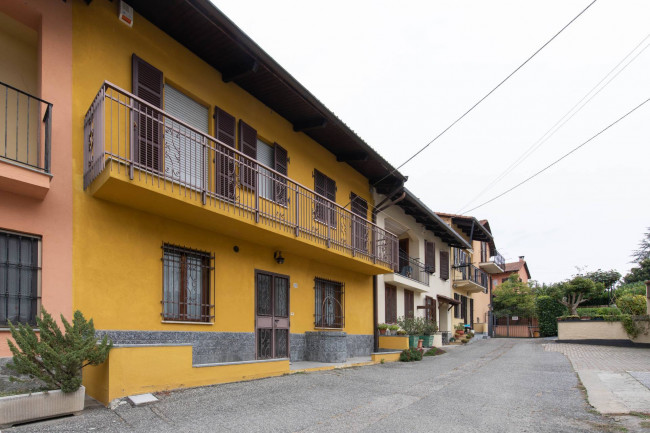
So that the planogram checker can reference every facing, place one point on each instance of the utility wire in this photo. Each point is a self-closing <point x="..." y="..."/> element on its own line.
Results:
<point x="562" y="121"/>
<point x="561" y="158"/>
<point x="486" y="96"/>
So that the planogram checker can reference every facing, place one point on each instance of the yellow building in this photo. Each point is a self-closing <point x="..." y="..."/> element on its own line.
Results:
<point x="213" y="239"/>
<point x="471" y="270"/>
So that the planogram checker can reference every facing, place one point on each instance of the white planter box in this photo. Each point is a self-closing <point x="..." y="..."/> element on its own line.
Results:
<point x="21" y="408"/>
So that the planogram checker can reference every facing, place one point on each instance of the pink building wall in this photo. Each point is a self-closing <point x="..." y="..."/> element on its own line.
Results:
<point x="51" y="216"/>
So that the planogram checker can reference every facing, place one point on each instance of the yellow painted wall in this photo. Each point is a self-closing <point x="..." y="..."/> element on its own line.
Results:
<point x="117" y="250"/>
<point x="597" y="330"/>
<point x="394" y="342"/>
<point x="137" y="370"/>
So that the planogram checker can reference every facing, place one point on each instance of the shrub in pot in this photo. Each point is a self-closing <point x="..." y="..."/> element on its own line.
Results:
<point x="429" y="328"/>
<point x="382" y="328"/>
<point x="412" y="327"/>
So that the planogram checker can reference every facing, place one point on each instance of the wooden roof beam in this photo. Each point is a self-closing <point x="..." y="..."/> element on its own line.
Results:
<point x="309" y="124"/>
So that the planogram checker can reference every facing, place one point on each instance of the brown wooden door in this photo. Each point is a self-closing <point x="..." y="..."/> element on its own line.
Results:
<point x="391" y="303"/>
<point x="271" y="315"/>
<point x="403" y="256"/>
<point x="409" y="303"/>
<point x="471" y="312"/>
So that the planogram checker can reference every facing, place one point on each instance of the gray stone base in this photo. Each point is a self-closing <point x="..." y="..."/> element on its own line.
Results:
<point x="207" y="347"/>
<point x="329" y="346"/>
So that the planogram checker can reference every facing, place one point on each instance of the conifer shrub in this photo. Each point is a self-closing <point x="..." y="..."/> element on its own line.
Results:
<point x="56" y="357"/>
<point x="548" y="310"/>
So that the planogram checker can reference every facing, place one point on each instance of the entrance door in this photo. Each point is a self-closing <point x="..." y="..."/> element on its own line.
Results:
<point x="471" y="312"/>
<point x="271" y="315"/>
<point x="430" y="308"/>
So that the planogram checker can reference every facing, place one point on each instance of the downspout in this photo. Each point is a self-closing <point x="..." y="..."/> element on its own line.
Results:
<point x="375" y="315"/>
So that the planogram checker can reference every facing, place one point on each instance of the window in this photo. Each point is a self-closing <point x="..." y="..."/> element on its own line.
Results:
<point x="409" y="303"/>
<point x="185" y="156"/>
<point x="272" y="187"/>
<point x="20" y="275"/>
<point x="329" y="306"/>
<point x="326" y="187"/>
<point x="456" y="306"/>
<point x="430" y="257"/>
<point x="391" y="303"/>
<point x="186" y="284"/>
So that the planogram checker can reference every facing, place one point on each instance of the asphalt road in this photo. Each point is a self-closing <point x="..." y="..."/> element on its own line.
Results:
<point x="497" y="385"/>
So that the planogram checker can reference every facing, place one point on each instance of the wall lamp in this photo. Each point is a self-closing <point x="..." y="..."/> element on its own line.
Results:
<point x="278" y="257"/>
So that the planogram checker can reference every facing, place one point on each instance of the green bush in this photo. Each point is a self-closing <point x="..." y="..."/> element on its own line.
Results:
<point x="434" y="351"/>
<point x="55" y="357"/>
<point x="637" y="288"/>
<point x="602" y="311"/>
<point x="410" y="355"/>
<point x="548" y="310"/>
<point x="634" y="305"/>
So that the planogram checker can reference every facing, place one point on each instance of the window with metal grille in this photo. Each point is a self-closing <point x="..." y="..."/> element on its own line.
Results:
<point x="20" y="276"/>
<point x="457" y="307"/>
<point x="186" y="284"/>
<point x="330" y="304"/>
<point x="324" y="211"/>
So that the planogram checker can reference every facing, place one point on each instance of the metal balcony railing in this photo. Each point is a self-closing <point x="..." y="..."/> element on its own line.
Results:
<point x="499" y="260"/>
<point x="25" y="128"/>
<point x="468" y="272"/>
<point x="123" y="132"/>
<point x="412" y="268"/>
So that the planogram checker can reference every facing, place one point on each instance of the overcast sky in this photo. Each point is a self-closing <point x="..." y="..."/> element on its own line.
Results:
<point x="398" y="73"/>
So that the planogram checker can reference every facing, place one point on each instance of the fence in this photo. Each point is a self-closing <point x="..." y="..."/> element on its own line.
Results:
<point x="513" y="326"/>
<point x="25" y="128"/>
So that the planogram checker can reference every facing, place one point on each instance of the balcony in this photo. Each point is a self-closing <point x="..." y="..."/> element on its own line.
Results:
<point x="493" y="265"/>
<point x="25" y="142"/>
<point x="469" y="278"/>
<point x="410" y="274"/>
<point x="169" y="168"/>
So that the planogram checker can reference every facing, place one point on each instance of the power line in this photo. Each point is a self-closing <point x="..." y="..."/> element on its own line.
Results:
<point x="562" y="157"/>
<point x="486" y="96"/>
<point x="562" y="121"/>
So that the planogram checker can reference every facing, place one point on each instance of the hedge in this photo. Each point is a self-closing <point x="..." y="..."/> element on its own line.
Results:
<point x="548" y="310"/>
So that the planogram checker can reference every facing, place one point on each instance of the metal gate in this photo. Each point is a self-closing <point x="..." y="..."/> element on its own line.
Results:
<point x="514" y="326"/>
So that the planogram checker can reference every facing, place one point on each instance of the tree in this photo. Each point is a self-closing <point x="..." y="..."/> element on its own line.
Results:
<point x="55" y="357"/>
<point x="644" y="248"/>
<point x="514" y="298"/>
<point x="639" y="273"/>
<point x="577" y="291"/>
<point x="607" y="278"/>
<point x="548" y="310"/>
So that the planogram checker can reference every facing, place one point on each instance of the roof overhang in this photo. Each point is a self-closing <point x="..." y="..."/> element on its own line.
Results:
<point x="423" y="215"/>
<point x="446" y="300"/>
<point x="471" y="227"/>
<point x="207" y="32"/>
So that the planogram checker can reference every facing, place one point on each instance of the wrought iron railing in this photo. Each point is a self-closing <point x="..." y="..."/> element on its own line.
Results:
<point x="412" y="268"/>
<point x="25" y="128"/>
<point x="468" y="272"/>
<point x="125" y="133"/>
<point x="499" y="260"/>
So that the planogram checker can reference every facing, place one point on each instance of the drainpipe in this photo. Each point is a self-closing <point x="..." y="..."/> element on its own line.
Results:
<point x="375" y="316"/>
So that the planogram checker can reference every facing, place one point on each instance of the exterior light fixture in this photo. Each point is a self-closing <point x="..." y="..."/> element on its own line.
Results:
<point x="278" y="257"/>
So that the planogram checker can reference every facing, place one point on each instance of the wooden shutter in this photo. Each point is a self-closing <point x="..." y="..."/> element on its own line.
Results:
<point x="224" y="131"/>
<point x="444" y="265"/>
<point x="248" y="146"/>
<point x="456" y="307"/>
<point x="326" y="187"/>
<point x="359" y="207"/>
<point x="147" y="84"/>
<point x="391" y="303"/>
<point x="281" y="158"/>
<point x="330" y="191"/>
<point x="430" y="308"/>
<point x="409" y="303"/>
<point x="430" y="257"/>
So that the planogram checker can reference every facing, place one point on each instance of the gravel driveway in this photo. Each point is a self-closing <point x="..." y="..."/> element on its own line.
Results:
<point x="497" y="385"/>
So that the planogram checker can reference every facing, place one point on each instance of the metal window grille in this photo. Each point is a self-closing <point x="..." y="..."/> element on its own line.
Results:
<point x="186" y="284"/>
<point x="329" y="304"/>
<point x="20" y="276"/>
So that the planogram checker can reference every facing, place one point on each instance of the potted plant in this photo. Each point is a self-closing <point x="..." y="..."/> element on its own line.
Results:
<point x="393" y="329"/>
<point x="429" y="328"/>
<point x="460" y="329"/>
<point x="411" y="327"/>
<point x="56" y="358"/>
<point x="382" y="328"/>
<point x="401" y="332"/>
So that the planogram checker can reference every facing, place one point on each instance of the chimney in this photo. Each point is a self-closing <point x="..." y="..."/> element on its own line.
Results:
<point x="521" y="258"/>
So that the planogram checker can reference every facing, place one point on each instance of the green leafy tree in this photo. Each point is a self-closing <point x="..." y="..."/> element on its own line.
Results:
<point x="636" y="288"/>
<point x="639" y="273"/>
<point x="513" y="298"/>
<point x="607" y="278"/>
<point x="643" y="252"/>
<point x="55" y="357"/>
<point x="577" y="291"/>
